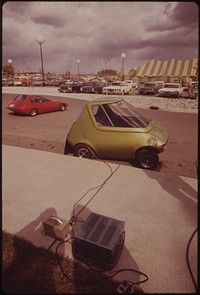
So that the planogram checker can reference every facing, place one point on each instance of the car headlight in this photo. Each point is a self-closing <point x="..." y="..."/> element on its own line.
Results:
<point x="152" y="141"/>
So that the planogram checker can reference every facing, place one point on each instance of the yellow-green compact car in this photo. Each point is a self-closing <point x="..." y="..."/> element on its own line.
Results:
<point x="114" y="129"/>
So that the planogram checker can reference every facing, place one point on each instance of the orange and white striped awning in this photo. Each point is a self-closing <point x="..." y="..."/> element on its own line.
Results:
<point x="173" y="68"/>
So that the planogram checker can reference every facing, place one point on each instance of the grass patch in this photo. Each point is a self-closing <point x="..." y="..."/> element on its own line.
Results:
<point x="27" y="269"/>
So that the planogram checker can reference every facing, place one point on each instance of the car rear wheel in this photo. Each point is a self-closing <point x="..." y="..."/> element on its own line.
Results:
<point x="62" y="107"/>
<point x="84" y="151"/>
<point x="147" y="159"/>
<point x="33" y="112"/>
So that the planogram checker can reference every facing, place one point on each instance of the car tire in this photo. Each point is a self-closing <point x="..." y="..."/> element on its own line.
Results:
<point x="84" y="151"/>
<point x="62" y="107"/>
<point x="147" y="159"/>
<point x="33" y="112"/>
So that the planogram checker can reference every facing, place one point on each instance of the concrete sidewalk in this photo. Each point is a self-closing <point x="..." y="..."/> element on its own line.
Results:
<point x="159" y="210"/>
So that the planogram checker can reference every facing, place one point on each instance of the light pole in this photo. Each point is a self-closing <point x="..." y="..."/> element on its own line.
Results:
<point x="78" y="62"/>
<point x="10" y="63"/>
<point x="123" y="55"/>
<point x="40" y="41"/>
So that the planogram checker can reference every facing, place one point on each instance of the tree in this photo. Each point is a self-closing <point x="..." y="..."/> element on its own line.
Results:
<point x="132" y="73"/>
<point x="8" y="70"/>
<point x="107" y="72"/>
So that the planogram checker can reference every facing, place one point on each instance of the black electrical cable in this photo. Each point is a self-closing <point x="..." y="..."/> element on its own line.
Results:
<point x="114" y="273"/>
<point x="187" y="258"/>
<point x="109" y="275"/>
<point x="73" y="219"/>
<point x="71" y="279"/>
<point x="59" y="262"/>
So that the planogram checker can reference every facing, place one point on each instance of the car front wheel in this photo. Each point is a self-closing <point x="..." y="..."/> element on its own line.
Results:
<point x="62" y="107"/>
<point x="33" y="112"/>
<point x="147" y="159"/>
<point x="84" y="151"/>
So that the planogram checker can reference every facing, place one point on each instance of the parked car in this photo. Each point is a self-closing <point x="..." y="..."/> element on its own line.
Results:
<point x="38" y="83"/>
<point x="160" y="84"/>
<point x="7" y="82"/>
<point x="171" y="90"/>
<point x="149" y="88"/>
<point x="70" y="87"/>
<point x="34" y="104"/>
<point x="56" y="82"/>
<point x="193" y="91"/>
<point x="48" y="82"/>
<point x="140" y="84"/>
<point x="193" y="83"/>
<point x="91" y="88"/>
<point x="65" y="87"/>
<point x="114" y="129"/>
<point x="26" y="82"/>
<point x="129" y="82"/>
<point x="120" y="88"/>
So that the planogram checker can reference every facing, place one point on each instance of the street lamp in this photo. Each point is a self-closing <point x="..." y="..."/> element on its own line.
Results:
<point x="123" y="55"/>
<point x="10" y="63"/>
<point x="78" y="62"/>
<point x="40" y="41"/>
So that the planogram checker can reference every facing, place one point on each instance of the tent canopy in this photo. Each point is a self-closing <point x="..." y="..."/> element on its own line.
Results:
<point x="172" y="68"/>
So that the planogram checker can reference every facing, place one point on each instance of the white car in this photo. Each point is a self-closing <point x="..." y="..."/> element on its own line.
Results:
<point x="120" y="88"/>
<point x="129" y="82"/>
<point x="171" y="90"/>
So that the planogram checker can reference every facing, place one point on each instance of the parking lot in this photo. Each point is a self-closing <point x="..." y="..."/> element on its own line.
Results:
<point x="48" y="132"/>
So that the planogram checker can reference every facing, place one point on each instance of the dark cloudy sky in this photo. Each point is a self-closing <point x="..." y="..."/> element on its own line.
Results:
<point x="97" y="33"/>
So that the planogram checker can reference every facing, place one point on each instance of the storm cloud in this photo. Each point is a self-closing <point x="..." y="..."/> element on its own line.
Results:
<point x="97" y="33"/>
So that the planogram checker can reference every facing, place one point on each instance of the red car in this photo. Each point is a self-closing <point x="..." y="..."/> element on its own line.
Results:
<point x="34" y="104"/>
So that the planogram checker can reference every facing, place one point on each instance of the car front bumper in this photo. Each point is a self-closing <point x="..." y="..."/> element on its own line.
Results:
<point x="169" y="93"/>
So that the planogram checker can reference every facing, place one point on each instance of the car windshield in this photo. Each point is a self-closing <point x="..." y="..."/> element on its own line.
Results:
<point x="194" y="88"/>
<point x="39" y="99"/>
<point x="20" y="97"/>
<point x="118" y="84"/>
<point x="149" y="84"/>
<point x="119" y="114"/>
<point x="171" y="85"/>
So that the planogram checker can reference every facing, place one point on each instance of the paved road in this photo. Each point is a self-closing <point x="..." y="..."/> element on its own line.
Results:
<point x="48" y="132"/>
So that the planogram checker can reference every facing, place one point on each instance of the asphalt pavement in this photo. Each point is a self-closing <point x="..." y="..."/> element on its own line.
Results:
<point x="159" y="210"/>
<point x="138" y="100"/>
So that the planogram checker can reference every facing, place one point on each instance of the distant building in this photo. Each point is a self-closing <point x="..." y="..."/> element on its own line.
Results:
<point x="168" y="71"/>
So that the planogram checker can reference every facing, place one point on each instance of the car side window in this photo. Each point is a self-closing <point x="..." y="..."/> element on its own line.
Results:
<point x="35" y="99"/>
<point x="100" y="116"/>
<point x="38" y="99"/>
<point x="43" y="99"/>
<point x="20" y="97"/>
